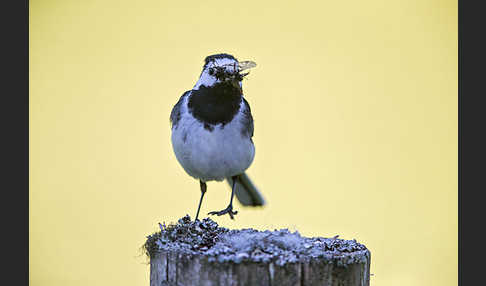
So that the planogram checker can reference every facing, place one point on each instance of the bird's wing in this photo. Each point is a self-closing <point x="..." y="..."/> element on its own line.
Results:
<point x="175" y="114"/>
<point x="247" y="119"/>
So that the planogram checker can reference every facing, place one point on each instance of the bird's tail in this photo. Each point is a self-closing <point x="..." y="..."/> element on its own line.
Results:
<point x="246" y="192"/>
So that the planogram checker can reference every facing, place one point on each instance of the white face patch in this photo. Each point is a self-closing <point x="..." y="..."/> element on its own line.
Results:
<point x="207" y="79"/>
<point x="229" y="64"/>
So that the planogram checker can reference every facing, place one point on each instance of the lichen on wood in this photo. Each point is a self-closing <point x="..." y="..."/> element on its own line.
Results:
<point x="215" y="255"/>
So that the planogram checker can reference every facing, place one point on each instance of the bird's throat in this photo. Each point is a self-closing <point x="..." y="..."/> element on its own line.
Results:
<point x="215" y="104"/>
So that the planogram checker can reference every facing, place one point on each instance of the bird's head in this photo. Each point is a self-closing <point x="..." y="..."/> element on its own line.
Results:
<point x="223" y="68"/>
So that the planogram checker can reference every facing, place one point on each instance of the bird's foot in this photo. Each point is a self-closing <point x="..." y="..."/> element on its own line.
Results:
<point x="228" y="210"/>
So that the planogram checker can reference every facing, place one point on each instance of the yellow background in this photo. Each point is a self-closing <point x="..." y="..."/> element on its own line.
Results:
<point x="355" y="108"/>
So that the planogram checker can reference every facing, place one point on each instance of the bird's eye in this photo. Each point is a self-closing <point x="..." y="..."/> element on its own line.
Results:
<point x="211" y="71"/>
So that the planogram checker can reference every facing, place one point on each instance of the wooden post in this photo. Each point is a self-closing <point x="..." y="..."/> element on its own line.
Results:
<point x="201" y="253"/>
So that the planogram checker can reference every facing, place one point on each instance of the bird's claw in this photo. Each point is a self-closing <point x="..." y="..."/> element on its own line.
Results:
<point x="228" y="210"/>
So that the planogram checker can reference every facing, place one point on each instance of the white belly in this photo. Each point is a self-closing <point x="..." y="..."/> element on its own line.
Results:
<point x="212" y="155"/>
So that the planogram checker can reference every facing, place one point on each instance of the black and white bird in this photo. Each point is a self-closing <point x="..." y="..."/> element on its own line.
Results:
<point x="212" y="130"/>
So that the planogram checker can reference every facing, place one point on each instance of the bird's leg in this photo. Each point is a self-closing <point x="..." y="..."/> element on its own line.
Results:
<point x="203" y="191"/>
<point x="229" y="209"/>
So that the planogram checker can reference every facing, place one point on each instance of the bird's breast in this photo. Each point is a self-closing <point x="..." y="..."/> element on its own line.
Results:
<point x="212" y="151"/>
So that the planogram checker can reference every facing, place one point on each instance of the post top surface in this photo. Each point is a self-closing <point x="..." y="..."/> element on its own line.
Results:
<point x="221" y="245"/>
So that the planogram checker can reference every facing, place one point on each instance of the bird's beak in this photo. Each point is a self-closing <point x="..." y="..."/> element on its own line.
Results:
<point x="244" y="65"/>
